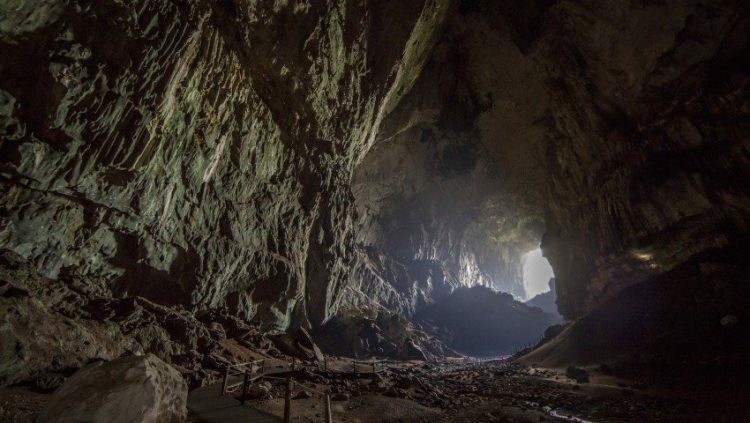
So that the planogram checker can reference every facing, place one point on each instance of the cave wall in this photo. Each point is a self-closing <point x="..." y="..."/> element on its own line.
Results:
<point x="650" y="163"/>
<point x="198" y="152"/>
<point x="616" y="129"/>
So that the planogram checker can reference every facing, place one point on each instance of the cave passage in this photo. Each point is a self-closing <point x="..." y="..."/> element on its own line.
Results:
<point x="198" y="185"/>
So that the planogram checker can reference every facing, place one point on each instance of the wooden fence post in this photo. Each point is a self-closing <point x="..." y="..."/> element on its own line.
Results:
<point x="373" y="367"/>
<point x="244" y="384"/>
<point x="226" y="381"/>
<point x="354" y="365"/>
<point x="288" y="401"/>
<point x="325" y="364"/>
<point x="262" y="367"/>
<point x="294" y="362"/>
<point x="328" y="409"/>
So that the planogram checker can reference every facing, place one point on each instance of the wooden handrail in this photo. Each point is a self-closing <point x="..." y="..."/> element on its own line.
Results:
<point x="326" y="367"/>
<point x="288" y="400"/>
<point x="247" y="372"/>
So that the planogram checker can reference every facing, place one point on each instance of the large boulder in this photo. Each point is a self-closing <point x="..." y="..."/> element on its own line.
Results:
<point x="259" y="390"/>
<point x="37" y="340"/>
<point x="129" y="389"/>
<point x="297" y="344"/>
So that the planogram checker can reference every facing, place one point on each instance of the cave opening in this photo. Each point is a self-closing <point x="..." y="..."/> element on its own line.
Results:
<point x="537" y="273"/>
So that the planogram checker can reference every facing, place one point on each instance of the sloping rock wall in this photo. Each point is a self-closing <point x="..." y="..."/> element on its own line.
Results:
<point x="198" y="152"/>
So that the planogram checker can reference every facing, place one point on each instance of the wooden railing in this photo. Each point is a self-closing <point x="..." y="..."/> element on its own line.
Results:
<point x="355" y="366"/>
<point x="249" y="371"/>
<point x="256" y="370"/>
<point x="253" y="370"/>
<point x="290" y="383"/>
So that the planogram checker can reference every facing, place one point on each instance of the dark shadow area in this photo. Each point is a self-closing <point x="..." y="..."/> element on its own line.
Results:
<point x="688" y="326"/>
<point x="481" y="322"/>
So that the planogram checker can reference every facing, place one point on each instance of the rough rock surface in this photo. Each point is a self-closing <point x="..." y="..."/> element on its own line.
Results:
<point x="200" y="152"/>
<point x="50" y="329"/>
<point x="379" y="333"/>
<point x="299" y="345"/>
<point x="129" y="389"/>
<point x="41" y="332"/>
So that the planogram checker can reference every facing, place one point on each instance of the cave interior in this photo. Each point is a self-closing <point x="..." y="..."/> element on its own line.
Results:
<point x="534" y="210"/>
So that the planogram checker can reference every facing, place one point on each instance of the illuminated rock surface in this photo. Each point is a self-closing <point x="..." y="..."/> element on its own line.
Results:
<point x="129" y="389"/>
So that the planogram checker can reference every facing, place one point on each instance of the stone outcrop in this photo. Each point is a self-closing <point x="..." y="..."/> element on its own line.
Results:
<point x="616" y="141"/>
<point x="300" y="345"/>
<point x="42" y="334"/>
<point x="50" y="329"/>
<point x="378" y="333"/>
<point x="480" y="322"/>
<point x="649" y="168"/>
<point x="129" y="389"/>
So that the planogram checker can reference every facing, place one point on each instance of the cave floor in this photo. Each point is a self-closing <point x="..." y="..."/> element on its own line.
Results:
<point x="496" y="392"/>
<point x="506" y="392"/>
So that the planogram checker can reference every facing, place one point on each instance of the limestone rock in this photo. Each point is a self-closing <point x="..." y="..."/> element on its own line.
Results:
<point x="578" y="374"/>
<point x="35" y="339"/>
<point x="340" y="396"/>
<point x="128" y="389"/>
<point x="299" y="345"/>
<point x="198" y="153"/>
<point x="355" y="333"/>
<point x="259" y="390"/>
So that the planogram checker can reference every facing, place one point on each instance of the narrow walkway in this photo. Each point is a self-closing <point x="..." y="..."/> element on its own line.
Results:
<point x="210" y="406"/>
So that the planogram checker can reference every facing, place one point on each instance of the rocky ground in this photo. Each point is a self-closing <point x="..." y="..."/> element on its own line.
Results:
<point x="498" y="391"/>
<point x="502" y="391"/>
<point x="80" y="329"/>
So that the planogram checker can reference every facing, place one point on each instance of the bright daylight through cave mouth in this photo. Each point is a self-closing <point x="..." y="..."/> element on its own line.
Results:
<point x="374" y="211"/>
<point x="537" y="273"/>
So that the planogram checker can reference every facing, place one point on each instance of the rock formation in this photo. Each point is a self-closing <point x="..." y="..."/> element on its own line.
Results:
<point x="199" y="153"/>
<point x="129" y="389"/>
<point x="481" y="322"/>
<point x="547" y="301"/>
<point x="380" y="333"/>
<point x="287" y="162"/>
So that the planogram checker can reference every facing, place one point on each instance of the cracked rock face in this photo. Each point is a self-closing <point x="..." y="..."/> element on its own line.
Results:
<point x="288" y="160"/>
<point x="198" y="153"/>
